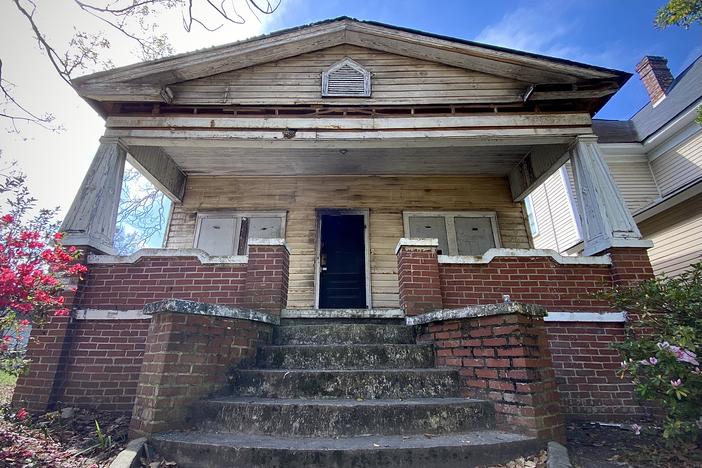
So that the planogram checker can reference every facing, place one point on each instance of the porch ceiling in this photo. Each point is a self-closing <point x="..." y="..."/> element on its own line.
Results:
<point x="472" y="160"/>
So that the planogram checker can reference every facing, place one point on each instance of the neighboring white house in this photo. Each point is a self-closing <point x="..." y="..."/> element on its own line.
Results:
<point x="655" y="159"/>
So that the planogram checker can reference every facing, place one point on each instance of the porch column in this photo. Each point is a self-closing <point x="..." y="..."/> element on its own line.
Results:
<point x="91" y="220"/>
<point x="606" y="221"/>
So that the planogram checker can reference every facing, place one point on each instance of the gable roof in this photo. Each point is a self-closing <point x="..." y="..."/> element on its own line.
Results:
<point x="149" y="81"/>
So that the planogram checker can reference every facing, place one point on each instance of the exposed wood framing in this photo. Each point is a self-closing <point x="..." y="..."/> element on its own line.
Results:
<point x="159" y="168"/>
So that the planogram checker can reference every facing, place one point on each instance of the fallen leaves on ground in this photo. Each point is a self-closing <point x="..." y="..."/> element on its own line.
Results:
<point x="67" y="438"/>
<point x="533" y="461"/>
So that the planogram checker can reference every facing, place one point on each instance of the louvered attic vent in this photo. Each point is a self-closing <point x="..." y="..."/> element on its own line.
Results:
<point x="346" y="79"/>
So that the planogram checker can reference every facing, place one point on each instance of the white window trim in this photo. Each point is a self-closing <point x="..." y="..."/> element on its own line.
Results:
<point x="531" y="219"/>
<point x="238" y="215"/>
<point x="450" y="224"/>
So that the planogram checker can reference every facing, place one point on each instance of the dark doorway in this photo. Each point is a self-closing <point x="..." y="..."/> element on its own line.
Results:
<point x="342" y="259"/>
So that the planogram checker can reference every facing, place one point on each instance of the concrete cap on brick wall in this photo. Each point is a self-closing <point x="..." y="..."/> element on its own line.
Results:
<point x="427" y="243"/>
<point x="477" y="311"/>
<point x="180" y="306"/>
<point x="201" y="255"/>
<point x="272" y="242"/>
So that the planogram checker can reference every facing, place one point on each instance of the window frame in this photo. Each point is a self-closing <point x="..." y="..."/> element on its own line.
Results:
<point x="451" y="226"/>
<point x="238" y="215"/>
<point x="531" y="216"/>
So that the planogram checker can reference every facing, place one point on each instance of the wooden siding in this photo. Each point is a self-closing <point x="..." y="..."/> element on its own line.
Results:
<point x="679" y="166"/>
<point x="396" y="79"/>
<point x="677" y="237"/>
<point x="386" y="197"/>
<point x="558" y="229"/>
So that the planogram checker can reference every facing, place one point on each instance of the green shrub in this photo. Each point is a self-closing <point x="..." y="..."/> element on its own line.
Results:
<point x="662" y="346"/>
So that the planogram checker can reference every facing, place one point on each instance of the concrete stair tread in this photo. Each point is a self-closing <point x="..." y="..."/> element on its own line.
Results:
<point x="340" y="356"/>
<point x="369" y="442"/>
<point x="350" y="334"/>
<point x="418" y="371"/>
<point x="239" y="400"/>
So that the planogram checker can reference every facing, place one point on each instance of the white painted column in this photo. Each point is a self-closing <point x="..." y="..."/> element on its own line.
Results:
<point x="605" y="219"/>
<point x="92" y="218"/>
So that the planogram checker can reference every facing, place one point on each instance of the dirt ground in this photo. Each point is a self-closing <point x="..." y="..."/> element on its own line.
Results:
<point x="591" y="445"/>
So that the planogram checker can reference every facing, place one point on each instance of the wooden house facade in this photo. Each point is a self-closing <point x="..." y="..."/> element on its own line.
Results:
<point x="356" y="171"/>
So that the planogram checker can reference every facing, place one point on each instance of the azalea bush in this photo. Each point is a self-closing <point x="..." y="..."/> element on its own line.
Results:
<point x="34" y="268"/>
<point x="661" y="351"/>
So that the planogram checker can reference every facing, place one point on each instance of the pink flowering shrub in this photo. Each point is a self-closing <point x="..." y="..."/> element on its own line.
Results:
<point x="661" y="353"/>
<point x="34" y="268"/>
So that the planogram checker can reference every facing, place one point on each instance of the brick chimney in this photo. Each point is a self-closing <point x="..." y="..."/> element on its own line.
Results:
<point x="656" y="76"/>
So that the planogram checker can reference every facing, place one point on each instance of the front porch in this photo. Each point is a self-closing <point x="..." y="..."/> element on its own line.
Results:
<point x="443" y="232"/>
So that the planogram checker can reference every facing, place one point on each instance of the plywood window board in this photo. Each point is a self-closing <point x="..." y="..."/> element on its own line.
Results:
<point x="228" y="232"/>
<point x="459" y="232"/>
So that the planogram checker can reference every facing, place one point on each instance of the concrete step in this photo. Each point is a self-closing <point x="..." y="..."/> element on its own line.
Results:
<point x="370" y="356"/>
<point x="366" y="384"/>
<point x="341" y="418"/>
<point x="354" y="333"/>
<point x="214" y="450"/>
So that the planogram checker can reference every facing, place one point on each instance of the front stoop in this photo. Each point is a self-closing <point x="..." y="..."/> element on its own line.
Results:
<point x="343" y="395"/>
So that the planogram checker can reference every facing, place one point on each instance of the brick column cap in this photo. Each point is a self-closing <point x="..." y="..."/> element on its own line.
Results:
<point x="270" y="242"/>
<point x="424" y="244"/>
<point x="477" y="311"/>
<point x="180" y="306"/>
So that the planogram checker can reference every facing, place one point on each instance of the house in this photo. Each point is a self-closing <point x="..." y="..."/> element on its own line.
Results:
<point x="347" y="254"/>
<point x="655" y="159"/>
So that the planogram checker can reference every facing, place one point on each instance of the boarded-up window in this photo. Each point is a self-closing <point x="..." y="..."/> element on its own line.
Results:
<point x="346" y="79"/>
<point x="459" y="233"/>
<point x="429" y="227"/>
<point x="474" y="236"/>
<point x="228" y="234"/>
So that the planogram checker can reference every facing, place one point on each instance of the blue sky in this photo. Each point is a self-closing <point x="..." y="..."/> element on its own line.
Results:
<point x="609" y="33"/>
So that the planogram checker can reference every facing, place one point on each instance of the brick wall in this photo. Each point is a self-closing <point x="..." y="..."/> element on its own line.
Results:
<point x="267" y="277"/>
<point x="96" y="363"/>
<point x="188" y="357"/>
<point x="104" y="365"/>
<point x="586" y="367"/>
<point x="150" y="279"/>
<point x="418" y="275"/>
<point x="35" y="390"/>
<point x="504" y="358"/>
<point x="534" y="280"/>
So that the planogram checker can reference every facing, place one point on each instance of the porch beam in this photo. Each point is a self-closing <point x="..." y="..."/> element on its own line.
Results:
<point x="158" y="167"/>
<point x="91" y="219"/>
<point x="535" y="168"/>
<point x="604" y="217"/>
<point x="533" y="122"/>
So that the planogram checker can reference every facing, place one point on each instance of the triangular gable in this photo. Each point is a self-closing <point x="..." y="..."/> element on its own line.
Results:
<point x="149" y="80"/>
<point x="395" y="79"/>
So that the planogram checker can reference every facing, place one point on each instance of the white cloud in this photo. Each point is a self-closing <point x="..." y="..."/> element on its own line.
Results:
<point x="542" y="29"/>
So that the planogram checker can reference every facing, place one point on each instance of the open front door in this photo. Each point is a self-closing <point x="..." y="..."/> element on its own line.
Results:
<point x="342" y="261"/>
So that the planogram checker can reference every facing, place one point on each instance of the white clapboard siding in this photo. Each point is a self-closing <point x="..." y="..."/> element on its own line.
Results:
<point x="679" y="166"/>
<point x="395" y="80"/>
<point x="386" y="197"/>
<point x="635" y="181"/>
<point x="558" y="229"/>
<point x="677" y="237"/>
